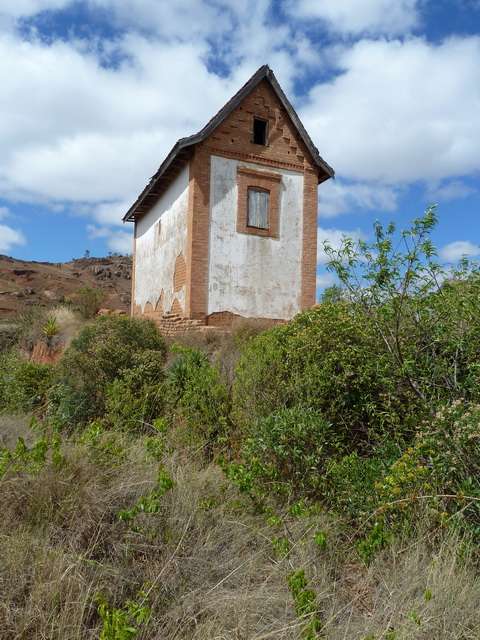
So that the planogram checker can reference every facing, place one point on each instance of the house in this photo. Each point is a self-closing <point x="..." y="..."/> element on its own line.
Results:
<point x="227" y="227"/>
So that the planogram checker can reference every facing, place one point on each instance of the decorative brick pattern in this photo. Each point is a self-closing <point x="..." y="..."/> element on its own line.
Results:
<point x="247" y="178"/>
<point x="233" y="139"/>
<point x="179" y="273"/>
<point x="235" y="134"/>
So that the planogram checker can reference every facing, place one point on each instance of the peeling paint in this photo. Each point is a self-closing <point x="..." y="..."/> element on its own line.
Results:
<point x="161" y="236"/>
<point x="249" y="275"/>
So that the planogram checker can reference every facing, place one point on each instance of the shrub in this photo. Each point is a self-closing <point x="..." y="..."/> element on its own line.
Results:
<point x="137" y="396"/>
<point x="101" y="352"/>
<point x="197" y="395"/>
<point x="287" y="451"/>
<point x="329" y="359"/>
<point x="88" y="300"/>
<point x="23" y="384"/>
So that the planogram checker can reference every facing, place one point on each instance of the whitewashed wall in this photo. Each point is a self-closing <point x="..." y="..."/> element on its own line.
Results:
<point x="155" y="258"/>
<point x="250" y="275"/>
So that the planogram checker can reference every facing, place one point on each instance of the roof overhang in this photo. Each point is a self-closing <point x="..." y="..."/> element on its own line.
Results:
<point x="182" y="149"/>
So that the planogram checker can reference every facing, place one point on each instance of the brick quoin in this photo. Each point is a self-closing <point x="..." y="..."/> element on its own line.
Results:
<point x="287" y="148"/>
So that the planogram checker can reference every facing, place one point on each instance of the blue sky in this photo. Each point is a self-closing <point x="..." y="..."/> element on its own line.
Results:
<point x="95" y="92"/>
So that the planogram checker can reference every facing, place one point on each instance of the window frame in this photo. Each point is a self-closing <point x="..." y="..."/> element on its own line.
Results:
<point x="248" y="178"/>
<point x="258" y="190"/>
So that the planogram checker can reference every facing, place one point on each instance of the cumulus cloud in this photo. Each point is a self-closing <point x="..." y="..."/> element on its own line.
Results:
<point x="334" y="237"/>
<point x="389" y="17"/>
<point x="454" y="251"/>
<point x="337" y="197"/>
<point x="10" y="238"/>
<point x="400" y="111"/>
<point x="81" y="133"/>
<point x="117" y="241"/>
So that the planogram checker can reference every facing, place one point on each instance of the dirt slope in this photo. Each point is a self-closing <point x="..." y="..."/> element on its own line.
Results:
<point x="24" y="284"/>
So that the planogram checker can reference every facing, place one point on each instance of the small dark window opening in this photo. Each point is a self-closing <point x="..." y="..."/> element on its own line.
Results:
<point x="259" y="131"/>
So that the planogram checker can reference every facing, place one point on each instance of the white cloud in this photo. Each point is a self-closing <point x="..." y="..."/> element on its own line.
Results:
<point x="360" y="16"/>
<point x="118" y="241"/>
<point x="26" y="8"/>
<point x="400" y="111"/>
<point x="461" y="248"/>
<point x="334" y="237"/>
<point x="337" y="197"/>
<point x="10" y="238"/>
<point x="453" y="190"/>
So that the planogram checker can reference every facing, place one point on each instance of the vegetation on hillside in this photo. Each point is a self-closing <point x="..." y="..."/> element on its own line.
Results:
<point x="320" y="479"/>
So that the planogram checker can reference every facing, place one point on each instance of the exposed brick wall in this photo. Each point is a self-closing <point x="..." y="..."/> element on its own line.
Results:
<point x="309" y="240"/>
<point x="196" y="297"/>
<point x="271" y="182"/>
<point x="234" y="136"/>
<point x="180" y="273"/>
<point x="233" y="139"/>
<point x="227" y="320"/>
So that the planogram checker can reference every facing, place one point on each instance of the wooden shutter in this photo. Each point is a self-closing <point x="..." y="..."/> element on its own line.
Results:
<point x="258" y="203"/>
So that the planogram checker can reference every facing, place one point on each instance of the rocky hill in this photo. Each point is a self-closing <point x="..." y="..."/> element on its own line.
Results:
<point x="25" y="284"/>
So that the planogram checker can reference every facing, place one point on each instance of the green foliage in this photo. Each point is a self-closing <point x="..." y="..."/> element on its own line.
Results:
<point x="328" y="359"/>
<point x="151" y="502"/>
<point x="50" y="329"/>
<point x="320" y="539"/>
<point x="88" y="301"/>
<point x="137" y="397"/>
<point x="104" y="447"/>
<point x="197" y="395"/>
<point x="101" y="352"/>
<point x="286" y="452"/>
<point x="24" y="459"/>
<point x="350" y="483"/>
<point x="23" y="384"/>
<point x="305" y="604"/>
<point x="424" y="319"/>
<point x="122" y="623"/>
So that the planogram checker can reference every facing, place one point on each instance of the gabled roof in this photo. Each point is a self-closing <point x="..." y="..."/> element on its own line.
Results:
<point x="182" y="149"/>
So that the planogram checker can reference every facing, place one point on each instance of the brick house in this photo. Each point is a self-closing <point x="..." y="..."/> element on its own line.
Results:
<point x="227" y="227"/>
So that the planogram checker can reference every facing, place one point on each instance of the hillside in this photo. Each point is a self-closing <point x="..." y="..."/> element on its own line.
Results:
<point x="25" y="284"/>
<point x="319" y="480"/>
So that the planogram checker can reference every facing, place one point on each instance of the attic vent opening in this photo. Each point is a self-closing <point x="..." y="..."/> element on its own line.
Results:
<point x="259" y="131"/>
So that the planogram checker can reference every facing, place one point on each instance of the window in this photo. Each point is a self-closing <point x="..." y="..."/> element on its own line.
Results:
<point x="258" y="208"/>
<point x="259" y="131"/>
<point x="258" y="203"/>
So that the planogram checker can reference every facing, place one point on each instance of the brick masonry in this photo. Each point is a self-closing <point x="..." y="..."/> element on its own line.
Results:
<point x="233" y="139"/>
<point x="247" y="178"/>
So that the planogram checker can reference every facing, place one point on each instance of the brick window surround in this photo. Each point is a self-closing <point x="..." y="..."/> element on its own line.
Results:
<point x="252" y="179"/>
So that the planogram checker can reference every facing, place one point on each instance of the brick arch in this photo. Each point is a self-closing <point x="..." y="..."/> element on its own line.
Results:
<point x="179" y="273"/>
<point x="159" y="305"/>
<point x="176" y="308"/>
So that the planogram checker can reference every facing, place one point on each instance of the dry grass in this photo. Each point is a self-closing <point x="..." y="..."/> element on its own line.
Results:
<point x="207" y="560"/>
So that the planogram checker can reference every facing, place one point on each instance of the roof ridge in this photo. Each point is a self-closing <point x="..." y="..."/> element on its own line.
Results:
<point x="263" y="72"/>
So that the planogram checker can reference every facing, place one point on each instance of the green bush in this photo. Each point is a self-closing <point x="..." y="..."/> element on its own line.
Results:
<point x="88" y="300"/>
<point x="101" y="352"/>
<point x="286" y="452"/>
<point x="329" y="359"/>
<point x="23" y="384"/>
<point x="137" y="396"/>
<point x="197" y="395"/>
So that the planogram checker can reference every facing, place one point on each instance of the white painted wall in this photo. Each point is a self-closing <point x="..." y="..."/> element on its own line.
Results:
<point x="155" y="258"/>
<point x="250" y="275"/>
